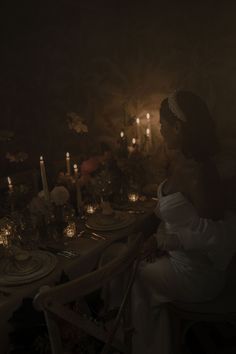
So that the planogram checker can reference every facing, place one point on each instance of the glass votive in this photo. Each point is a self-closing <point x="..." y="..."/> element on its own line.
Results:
<point x="5" y="233"/>
<point x="3" y="239"/>
<point x="133" y="197"/>
<point x="70" y="230"/>
<point x="90" y="209"/>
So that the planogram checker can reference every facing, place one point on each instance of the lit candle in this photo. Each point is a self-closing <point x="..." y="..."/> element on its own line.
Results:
<point x="90" y="209"/>
<point x="76" y="170"/>
<point x="133" y="141"/>
<point x="122" y="134"/>
<point x="148" y="142"/>
<point x="148" y="130"/>
<point x="70" y="230"/>
<point x="68" y="163"/>
<point x="133" y="197"/>
<point x="44" y="179"/>
<point x="138" y="130"/>
<point x="10" y="186"/>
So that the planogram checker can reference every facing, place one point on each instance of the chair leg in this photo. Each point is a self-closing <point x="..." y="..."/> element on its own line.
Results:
<point x="54" y="333"/>
<point x="176" y="334"/>
<point x="128" y="328"/>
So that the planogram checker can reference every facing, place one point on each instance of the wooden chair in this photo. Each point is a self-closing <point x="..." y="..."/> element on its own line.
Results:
<point x="220" y="310"/>
<point x="53" y="301"/>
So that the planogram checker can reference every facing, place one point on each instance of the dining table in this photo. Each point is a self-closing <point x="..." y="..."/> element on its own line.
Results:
<point x="72" y="256"/>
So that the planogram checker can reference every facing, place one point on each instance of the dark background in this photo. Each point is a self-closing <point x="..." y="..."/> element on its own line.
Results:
<point x="103" y="58"/>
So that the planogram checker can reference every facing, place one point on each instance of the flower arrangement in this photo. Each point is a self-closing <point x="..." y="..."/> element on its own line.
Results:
<point x="76" y="123"/>
<point x="18" y="157"/>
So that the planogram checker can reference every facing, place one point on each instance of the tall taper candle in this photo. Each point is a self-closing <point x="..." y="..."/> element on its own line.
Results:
<point x="75" y="170"/>
<point x="79" y="200"/>
<point x="44" y="179"/>
<point x="10" y="186"/>
<point x="149" y="127"/>
<point x="139" y="135"/>
<point x="68" y="163"/>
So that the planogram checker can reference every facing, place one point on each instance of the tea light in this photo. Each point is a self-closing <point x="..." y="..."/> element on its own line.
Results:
<point x="90" y="209"/>
<point x="5" y="232"/>
<point x="133" y="197"/>
<point x="70" y="230"/>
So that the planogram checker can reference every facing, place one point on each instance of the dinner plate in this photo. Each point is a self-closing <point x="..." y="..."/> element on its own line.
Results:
<point x="115" y="221"/>
<point x="40" y="264"/>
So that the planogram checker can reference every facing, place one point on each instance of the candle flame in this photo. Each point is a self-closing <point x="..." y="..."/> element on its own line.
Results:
<point x="137" y="121"/>
<point x="148" y="116"/>
<point x="148" y="132"/>
<point x="122" y="134"/>
<point x="9" y="180"/>
<point x="41" y="158"/>
<point x="75" y="166"/>
<point x="67" y="155"/>
<point x="133" y="141"/>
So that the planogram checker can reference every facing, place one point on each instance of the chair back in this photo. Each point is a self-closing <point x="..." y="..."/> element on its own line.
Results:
<point x="53" y="300"/>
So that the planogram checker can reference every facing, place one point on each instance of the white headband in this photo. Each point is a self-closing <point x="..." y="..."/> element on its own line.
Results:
<point x="174" y="107"/>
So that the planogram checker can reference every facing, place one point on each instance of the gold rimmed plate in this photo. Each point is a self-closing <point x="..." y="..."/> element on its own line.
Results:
<point x="40" y="264"/>
<point x="115" y="221"/>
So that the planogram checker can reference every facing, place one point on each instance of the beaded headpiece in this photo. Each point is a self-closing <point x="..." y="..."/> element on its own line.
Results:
<point x="174" y="107"/>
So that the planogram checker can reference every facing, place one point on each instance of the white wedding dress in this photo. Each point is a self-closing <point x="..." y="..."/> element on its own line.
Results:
<point x="199" y="253"/>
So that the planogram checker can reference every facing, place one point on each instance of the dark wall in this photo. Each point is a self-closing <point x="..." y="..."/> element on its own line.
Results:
<point x="107" y="60"/>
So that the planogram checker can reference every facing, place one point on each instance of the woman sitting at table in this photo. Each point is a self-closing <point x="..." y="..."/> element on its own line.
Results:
<point x="196" y="234"/>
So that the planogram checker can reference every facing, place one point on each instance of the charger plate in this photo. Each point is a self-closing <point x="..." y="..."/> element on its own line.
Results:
<point x="117" y="220"/>
<point x="40" y="264"/>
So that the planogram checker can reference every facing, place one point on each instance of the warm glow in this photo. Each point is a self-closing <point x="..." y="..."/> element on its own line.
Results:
<point x="122" y="134"/>
<point x="133" y="197"/>
<point x="41" y="158"/>
<point x="148" y="116"/>
<point x="133" y="141"/>
<point x="70" y="230"/>
<point x="138" y="121"/>
<point x="75" y="168"/>
<point x="9" y="180"/>
<point x="67" y="155"/>
<point x="148" y="132"/>
<point x="90" y="209"/>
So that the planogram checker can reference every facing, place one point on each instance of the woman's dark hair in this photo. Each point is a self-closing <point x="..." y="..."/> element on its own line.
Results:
<point x="199" y="136"/>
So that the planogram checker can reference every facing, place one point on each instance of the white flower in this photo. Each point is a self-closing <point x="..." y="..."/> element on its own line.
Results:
<point x="38" y="206"/>
<point x="60" y="195"/>
<point x="75" y="122"/>
<point x="18" y="157"/>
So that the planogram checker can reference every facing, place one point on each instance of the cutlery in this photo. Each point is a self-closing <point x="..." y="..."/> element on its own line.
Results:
<point x="98" y="236"/>
<point x="61" y="252"/>
<point x="135" y="211"/>
<point x="93" y="235"/>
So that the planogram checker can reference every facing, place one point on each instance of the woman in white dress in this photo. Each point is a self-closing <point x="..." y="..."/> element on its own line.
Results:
<point x="196" y="233"/>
